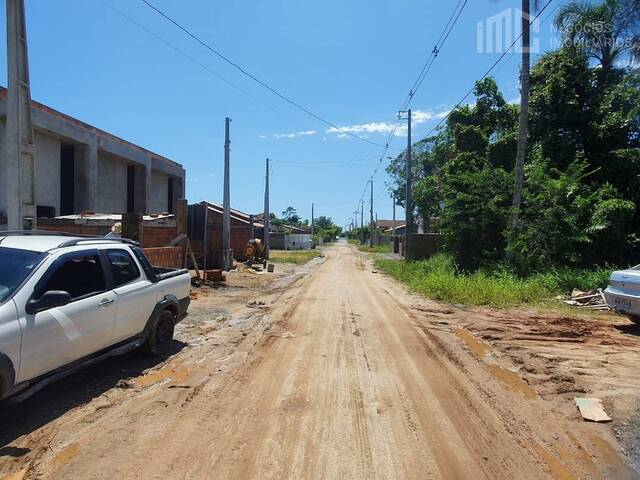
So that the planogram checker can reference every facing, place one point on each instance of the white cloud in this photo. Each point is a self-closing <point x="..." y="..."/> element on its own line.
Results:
<point x="364" y="129"/>
<point x="418" y="117"/>
<point x="303" y="133"/>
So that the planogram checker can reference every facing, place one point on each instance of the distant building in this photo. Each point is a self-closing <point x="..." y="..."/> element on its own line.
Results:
<point x="389" y="224"/>
<point x="82" y="168"/>
<point x="240" y="232"/>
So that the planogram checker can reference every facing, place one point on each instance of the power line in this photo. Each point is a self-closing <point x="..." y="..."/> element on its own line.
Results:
<point x="334" y="162"/>
<point x="209" y="70"/>
<point x="495" y="64"/>
<point x="453" y="19"/>
<point x="189" y="57"/>
<point x="253" y="77"/>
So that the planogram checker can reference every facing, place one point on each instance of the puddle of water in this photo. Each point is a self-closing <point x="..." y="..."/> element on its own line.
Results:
<point x="558" y="470"/>
<point x="66" y="454"/>
<point x="176" y="374"/>
<point x="512" y="380"/>
<point x="477" y="347"/>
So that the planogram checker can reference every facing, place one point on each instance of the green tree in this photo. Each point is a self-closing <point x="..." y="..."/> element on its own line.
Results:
<point x="291" y="217"/>
<point x="607" y="32"/>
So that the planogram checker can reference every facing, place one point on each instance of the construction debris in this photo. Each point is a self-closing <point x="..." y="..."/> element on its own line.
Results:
<point x="591" y="300"/>
<point x="591" y="409"/>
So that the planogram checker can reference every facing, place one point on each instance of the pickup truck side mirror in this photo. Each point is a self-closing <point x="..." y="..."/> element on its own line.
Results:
<point x="50" y="299"/>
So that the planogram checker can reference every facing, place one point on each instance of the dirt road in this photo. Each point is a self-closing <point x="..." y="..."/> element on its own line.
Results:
<point x="334" y="372"/>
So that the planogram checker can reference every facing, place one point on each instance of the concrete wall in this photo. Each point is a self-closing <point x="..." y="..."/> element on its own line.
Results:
<point x="112" y="185"/>
<point x="159" y="192"/>
<point x="48" y="170"/>
<point x="300" y="241"/>
<point x="423" y="245"/>
<point x="100" y="176"/>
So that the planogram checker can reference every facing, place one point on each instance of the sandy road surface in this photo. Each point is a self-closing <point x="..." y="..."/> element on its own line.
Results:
<point x="338" y="374"/>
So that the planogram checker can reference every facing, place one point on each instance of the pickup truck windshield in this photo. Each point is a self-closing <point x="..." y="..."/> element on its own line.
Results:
<point x="15" y="266"/>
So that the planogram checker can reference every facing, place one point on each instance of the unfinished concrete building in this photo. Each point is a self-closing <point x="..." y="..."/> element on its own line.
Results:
<point x="82" y="168"/>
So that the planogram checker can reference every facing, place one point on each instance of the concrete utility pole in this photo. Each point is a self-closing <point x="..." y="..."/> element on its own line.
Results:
<point x="266" y="213"/>
<point x="20" y="147"/>
<point x="408" y="204"/>
<point x="362" y="222"/>
<point x="371" y="222"/>
<point x="393" y="226"/>
<point x="313" y="231"/>
<point x="252" y="221"/>
<point x="226" y="212"/>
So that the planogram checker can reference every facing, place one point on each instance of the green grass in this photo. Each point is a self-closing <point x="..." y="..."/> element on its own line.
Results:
<point x="368" y="249"/>
<point x="374" y="249"/>
<point x="293" y="256"/>
<point x="439" y="279"/>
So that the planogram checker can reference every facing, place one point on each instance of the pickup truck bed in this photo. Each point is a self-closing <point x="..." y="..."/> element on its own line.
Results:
<point x="69" y="301"/>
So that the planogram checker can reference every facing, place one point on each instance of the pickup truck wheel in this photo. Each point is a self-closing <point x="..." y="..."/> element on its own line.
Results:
<point x="161" y="335"/>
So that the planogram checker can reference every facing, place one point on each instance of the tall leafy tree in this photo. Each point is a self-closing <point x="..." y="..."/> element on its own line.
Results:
<point x="608" y="32"/>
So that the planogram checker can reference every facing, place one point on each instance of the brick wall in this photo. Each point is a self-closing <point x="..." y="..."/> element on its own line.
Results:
<point x="239" y="238"/>
<point x="152" y="235"/>
<point x="75" y="229"/>
<point x="170" y="257"/>
<point x="157" y="235"/>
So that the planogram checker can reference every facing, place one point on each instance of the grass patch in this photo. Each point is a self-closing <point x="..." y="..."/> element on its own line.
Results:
<point x="374" y="249"/>
<point x="438" y="278"/>
<point x="293" y="256"/>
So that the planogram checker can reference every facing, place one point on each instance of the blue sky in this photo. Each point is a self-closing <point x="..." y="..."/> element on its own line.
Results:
<point x="349" y="61"/>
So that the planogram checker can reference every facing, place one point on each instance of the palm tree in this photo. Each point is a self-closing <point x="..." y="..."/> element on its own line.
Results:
<point x="524" y="113"/>
<point x="607" y="32"/>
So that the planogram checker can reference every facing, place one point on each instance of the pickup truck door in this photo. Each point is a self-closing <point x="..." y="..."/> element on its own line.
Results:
<point x="136" y="295"/>
<point x="61" y="335"/>
<point x="10" y="334"/>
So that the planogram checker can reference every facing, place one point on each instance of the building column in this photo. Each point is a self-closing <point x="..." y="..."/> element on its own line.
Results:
<point x="86" y="162"/>
<point x="142" y="201"/>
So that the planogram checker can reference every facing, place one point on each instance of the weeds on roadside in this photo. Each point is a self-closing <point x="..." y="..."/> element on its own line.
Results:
<point x="440" y="279"/>
<point x="374" y="249"/>
<point x="293" y="256"/>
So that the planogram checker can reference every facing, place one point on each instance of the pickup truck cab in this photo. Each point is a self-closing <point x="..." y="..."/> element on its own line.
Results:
<point x="67" y="302"/>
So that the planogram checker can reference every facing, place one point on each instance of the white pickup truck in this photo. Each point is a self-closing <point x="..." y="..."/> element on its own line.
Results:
<point x="67" y="302"/>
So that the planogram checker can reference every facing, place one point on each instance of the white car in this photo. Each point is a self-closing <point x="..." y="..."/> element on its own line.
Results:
<point x="623" y="292"/>
<point x="66" y="302"/>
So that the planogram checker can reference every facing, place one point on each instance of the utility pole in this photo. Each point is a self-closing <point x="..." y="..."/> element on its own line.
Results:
<point x="362" y="222"/>
<point x="266" y="213"/>
<point x="393" y="226"/>
<point x="313" y="231"/>
<point x="408" y="204"/>
<point x="226" y="212"/>
<point x="20" y="165"/>
<point x="371" y="223"/>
